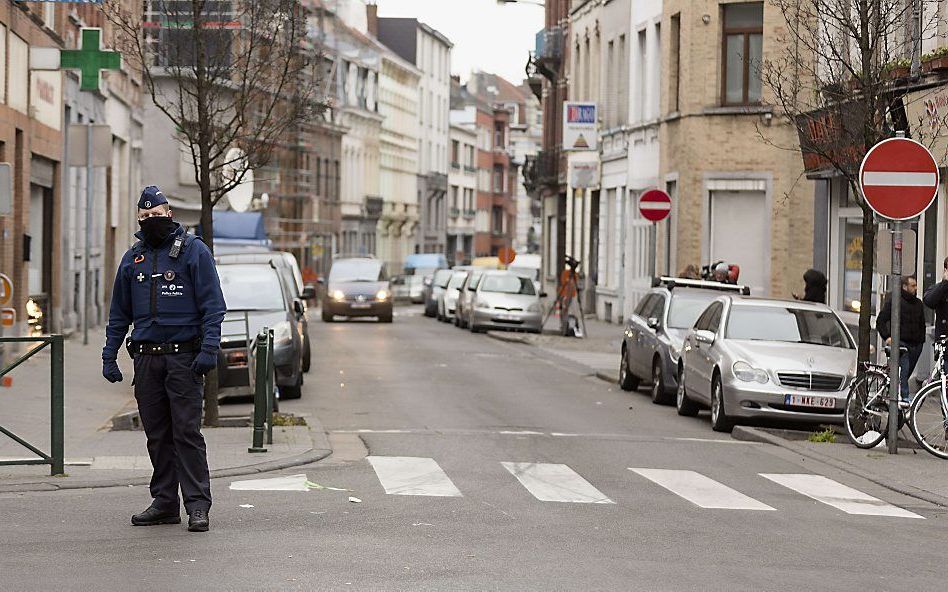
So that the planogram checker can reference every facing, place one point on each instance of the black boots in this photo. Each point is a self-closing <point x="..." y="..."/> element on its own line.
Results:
<point x="153" y="516"/>
<point x="198" y="521"/>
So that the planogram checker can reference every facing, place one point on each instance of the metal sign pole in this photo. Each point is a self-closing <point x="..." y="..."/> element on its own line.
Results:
<point x="896" y="300"/>
<point x="652" y="250"/>
<point x="89" y="197"/>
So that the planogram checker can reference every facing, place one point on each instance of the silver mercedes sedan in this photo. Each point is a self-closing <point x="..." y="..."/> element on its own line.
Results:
<point x="751" y="358"/>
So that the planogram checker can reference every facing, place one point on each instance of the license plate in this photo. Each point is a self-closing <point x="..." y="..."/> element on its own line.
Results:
<point x="361" y="305"/>
<point x="808" y="401"/>
<point x="507" y="317"/>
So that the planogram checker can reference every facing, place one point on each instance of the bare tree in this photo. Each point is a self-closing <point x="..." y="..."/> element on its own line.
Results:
<point x="236" y="78"/>
<point x="839" y="75"/>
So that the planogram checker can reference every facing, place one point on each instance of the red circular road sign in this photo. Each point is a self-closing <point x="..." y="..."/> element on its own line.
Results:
<point x="655" y="205"/>
<point x="899" y="178"/>
<point x="506" y="255"/>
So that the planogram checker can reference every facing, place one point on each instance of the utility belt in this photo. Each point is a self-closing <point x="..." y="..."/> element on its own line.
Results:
<point x="161" y="349"/>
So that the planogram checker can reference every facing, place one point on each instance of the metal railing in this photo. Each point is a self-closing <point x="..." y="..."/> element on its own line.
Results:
<point x="264" y="391"/>
<point x="55" y="457"/>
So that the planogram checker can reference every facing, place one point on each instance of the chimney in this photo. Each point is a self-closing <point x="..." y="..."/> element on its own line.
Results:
<point x="372" y="18"/>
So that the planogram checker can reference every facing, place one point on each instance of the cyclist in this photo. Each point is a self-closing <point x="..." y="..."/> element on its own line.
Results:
<point x="936" y="298"/>
<point x="912" y="335"/>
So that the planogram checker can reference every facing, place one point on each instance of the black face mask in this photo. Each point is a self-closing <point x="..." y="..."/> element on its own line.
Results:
<point x="156" y="229"/>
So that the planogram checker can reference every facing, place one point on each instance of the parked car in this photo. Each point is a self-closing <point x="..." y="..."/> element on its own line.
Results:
<point x="288" y="267"/>
<point x="656" y="330"/>
<point x="434" y="288"/>
<point x="424" y="264"/>
<point x="448" y="300"/>
<point x="505" y="300"/>
<point x="357" y="288"/>
<point x="258" y="296"/>
<point x="751" y="358"/>
<point x="465" y="294"/>
<point x="527" y="265"/>
<point x="416" y="288"/>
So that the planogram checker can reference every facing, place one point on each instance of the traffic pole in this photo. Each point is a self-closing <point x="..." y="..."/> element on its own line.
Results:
<point x="894" y="378"/>
<point x="652" y="250"/>
<point x="90" y="196"/>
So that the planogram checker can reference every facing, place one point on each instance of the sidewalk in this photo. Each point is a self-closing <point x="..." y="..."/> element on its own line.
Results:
<point x="597" y="353"/>
<point x="912" y="472"/>
<point x="99" y="457"/>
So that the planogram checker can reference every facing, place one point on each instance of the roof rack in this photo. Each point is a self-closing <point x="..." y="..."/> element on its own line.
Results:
<point x="672" y="282"/>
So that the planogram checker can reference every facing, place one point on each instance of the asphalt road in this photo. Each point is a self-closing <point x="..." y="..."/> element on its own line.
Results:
<point x="481" y="465"/>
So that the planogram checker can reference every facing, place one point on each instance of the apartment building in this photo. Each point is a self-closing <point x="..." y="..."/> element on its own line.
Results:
<point x="31" y="149"/>
<point x="430" y="52"/>
<point x="736" y="198"/>
<point x="462" y="185"/>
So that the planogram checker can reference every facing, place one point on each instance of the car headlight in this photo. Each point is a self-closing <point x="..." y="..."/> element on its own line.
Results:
<point x="535" y="307"/>
<point x="747" y="373"/>
<point x="338" y="295"/>
<point x="281" y="333"/>
<point x="381" y="295"/>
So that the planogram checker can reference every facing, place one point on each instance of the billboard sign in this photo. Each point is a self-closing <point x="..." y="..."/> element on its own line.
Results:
<point x="579" y="126"/>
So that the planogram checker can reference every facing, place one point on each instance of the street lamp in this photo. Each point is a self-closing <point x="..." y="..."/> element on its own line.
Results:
<point x="533" y="2"/>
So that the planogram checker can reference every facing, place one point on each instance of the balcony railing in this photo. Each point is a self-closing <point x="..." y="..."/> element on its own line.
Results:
<point x="470" y="214"/>
<point x="454" y="212"/>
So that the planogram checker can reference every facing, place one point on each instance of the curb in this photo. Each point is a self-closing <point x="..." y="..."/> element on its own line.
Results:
<point x="750" y="434"/>
<point x="312" y="455"/>
<point x="508" y="337"/>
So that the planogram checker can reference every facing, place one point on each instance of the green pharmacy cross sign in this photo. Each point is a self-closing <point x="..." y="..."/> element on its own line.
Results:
<point x="90" y="59"/>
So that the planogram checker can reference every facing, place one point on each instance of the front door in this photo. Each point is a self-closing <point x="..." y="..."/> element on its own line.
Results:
<point x="739" y="235"/>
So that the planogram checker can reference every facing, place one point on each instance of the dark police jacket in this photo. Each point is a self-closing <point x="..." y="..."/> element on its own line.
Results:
<point x="168" y="298"/>
<point x="936" y="298"/>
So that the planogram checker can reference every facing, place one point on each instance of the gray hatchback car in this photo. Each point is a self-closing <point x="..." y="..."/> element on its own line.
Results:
<point x="657" y="329"/>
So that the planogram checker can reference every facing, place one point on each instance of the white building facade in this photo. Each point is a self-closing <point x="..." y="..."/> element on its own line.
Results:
<point x="462" y="185"/>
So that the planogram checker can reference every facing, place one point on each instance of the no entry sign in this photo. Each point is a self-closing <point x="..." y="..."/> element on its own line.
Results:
<point x="655" y="205"/>
<point x="899" y="178"/>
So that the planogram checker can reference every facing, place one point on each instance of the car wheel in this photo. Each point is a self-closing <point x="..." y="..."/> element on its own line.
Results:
<point x="291" y="392"/>
<point x="474" y="328"/>
<point x="720" y="422"/>
<point x="307" y="358"/>
<point x="627" y="381"/>
<point x="327" y="316"/>
<point x="659" y="392"/>
<point x="685" y="406"/>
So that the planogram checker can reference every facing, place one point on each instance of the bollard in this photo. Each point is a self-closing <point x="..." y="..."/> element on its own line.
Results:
<point x="271" y="386"/>
<point x="56" y="414"/>
<point x="262" y="399"/>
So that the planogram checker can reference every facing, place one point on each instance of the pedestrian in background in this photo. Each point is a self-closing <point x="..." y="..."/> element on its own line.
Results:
<point x="814" y="289"/>
<point x="911" y="329"/>
<point x="936" y="298"/>
<point x="167" y="285"/>
<point x="691" y="272"/>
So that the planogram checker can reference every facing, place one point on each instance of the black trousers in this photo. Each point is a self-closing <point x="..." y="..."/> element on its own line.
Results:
<point x="170" y="399"/>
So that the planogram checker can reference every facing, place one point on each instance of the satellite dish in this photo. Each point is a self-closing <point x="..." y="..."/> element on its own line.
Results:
<point x="240" y="196"/>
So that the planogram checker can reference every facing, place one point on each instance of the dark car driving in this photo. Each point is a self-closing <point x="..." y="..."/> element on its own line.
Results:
<point x="357" y="288"/>
<point x="655" y="332"/>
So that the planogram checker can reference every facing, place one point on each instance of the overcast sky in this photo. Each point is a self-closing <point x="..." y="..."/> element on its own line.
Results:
<point x="486" y="36"/>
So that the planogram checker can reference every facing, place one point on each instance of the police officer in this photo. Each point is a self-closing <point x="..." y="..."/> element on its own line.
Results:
<point x="167" y="285"/>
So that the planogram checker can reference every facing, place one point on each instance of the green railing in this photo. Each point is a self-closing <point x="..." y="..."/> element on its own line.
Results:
<point x="55" y="458"/>
<point x="264" y="391"/>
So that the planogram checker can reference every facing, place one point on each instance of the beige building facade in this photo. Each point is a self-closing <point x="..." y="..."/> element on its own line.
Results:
<point x="737" y="197"/>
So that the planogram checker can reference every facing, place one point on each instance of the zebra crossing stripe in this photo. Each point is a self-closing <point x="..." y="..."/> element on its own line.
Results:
<point x="837" y="495"/>
<point x="700" y="490"/>
<point x="410" y="475"/>
<point x="555" y="483"/>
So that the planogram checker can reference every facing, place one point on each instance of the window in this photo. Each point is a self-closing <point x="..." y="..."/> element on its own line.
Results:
<point x="675" y="63"/>
<point x="498" y="135"/>
<point x="508" y="284"/>
<point x="469" y="199"/>
<point x="742" y="53"/>
<point x="469" y="157"/>
<point x="644" y="304"/>
<point x="788" y="325"/>
<point x="641" y="76"/>
<point x="455" y="153"/>
<point x="498" y="178"/>
<point x="497" y="220"/>
<point x="454" y="197"/>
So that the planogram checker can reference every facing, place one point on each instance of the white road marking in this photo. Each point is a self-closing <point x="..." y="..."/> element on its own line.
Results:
<point x="411" y="475"/>
<point x="521" y="433"/>
<point x="899" y="179"/>
<point x="131" y="463"/>
<point x="700" y="490"/>
<point x="555" y="483"/>
<point x="288" y="483"/>
<point x="842" y="497"/>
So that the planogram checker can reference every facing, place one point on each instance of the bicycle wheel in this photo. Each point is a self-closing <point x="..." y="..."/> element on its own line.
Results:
<point x="928" y="422"/>
<point x="866" y="412"/>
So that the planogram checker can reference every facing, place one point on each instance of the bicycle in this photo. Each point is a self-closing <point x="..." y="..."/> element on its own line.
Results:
<point x="867" y="406"/>
<point x="928" y="417"/>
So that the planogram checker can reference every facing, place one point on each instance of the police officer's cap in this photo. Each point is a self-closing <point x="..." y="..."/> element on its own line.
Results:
<point x="151" y="197"/>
